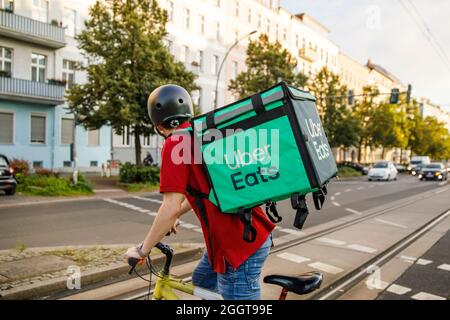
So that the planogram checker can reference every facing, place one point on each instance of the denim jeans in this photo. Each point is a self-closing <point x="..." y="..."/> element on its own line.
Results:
<point x="240" y="284"/>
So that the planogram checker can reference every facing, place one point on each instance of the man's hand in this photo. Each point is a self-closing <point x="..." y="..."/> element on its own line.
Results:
<point x="135" y="253"/>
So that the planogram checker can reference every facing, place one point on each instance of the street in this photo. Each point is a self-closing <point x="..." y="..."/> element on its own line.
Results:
<point x="126" y="220"/>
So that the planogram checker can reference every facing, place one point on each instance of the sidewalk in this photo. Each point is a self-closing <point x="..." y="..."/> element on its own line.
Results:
<point x="40" y="272"/>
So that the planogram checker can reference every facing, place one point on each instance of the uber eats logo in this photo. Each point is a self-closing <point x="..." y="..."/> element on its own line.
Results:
<point x="316" y="134"/>
<point x="244" y="159"/>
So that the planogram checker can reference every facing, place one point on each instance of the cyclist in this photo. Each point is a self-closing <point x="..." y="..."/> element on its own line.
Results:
<point x="230" y="265"/>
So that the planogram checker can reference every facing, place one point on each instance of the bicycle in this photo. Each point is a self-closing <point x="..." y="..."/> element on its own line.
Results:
<point x="165" y="284"/>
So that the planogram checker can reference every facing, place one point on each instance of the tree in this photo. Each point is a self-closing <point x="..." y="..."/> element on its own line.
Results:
<point x="431" y="138"/>
<point x="123" y="42"/>
<point x="267" y="63"/>
<point x="341" y="127"/>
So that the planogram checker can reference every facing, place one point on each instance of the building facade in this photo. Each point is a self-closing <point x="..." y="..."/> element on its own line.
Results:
<point x="38" y="55"/>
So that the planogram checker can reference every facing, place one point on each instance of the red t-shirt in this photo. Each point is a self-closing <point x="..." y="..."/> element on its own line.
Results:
<point x="226" y="230"/>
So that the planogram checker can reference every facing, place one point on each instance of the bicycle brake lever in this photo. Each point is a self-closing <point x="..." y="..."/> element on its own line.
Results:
<point x="133" y="262"/>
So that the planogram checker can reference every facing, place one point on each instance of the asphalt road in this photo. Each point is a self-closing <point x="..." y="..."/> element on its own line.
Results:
<point x="121" y="221"/>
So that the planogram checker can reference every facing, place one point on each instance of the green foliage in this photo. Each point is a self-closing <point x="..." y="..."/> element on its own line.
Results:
<point x="341" y="126"/>
<point x="266" y="63"/>
<point x="20" y="166"/>
<point x="123" y="41"/>
<point x="431" y="138"/>
<point x="348" y="172"/>
<point x="130" y="173"/>
<point x="43" y="185"/>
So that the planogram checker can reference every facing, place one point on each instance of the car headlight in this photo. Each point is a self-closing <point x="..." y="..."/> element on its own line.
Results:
<point x="420" y="176"/>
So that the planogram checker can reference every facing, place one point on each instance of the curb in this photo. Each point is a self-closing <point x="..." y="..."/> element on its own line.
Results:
<point x="51" y="287"/>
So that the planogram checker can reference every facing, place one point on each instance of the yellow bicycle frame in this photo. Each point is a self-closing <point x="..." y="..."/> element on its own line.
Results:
<point x="165" y="285"/>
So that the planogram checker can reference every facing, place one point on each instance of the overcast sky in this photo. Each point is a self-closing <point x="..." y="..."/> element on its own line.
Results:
<point x="384" y="31"/>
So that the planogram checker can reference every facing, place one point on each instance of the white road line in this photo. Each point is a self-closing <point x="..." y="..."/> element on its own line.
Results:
<point x="373" y="283"/>
<point x="292" y="231"/>
<point x="333" y="198"/>
<point x="445" y="267"/>
<point x="400" y="290"/>
<point x="443" y="183"/>
<point x="424" y="262"/>
<point x="336" y="204"/>
<point x="440" y="191"/>
<point x="131" y="207"/>
<point x="337" y="194"/>
<point x="148" y="199"/>
<point x="325" y="267"/>
<point x="188" y="225"/>
<point x="408" y="259"/>
<point x="292" y="257"/>
<point x="361" y="248"/>
<point x="360" y="188"/>
<point x="332" y="241"/>
<point x="348" y="190"/>
<point x="391" y="223"/>
<point x="427" y="296"/>
<point x="353" y="211"/>
<point x="199" y="230"/>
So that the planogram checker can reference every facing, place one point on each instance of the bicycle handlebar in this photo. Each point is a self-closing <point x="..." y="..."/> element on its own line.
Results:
<point x="165" y="249"/>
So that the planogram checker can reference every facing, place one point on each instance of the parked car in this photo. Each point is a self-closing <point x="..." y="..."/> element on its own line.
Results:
<point x="417" y="169"/>
<point x="7" y="181"/>
<point x="383" y="171"/>
<point x="365" y="170"/>
<point x="434" y="171"/>
<point x="400" y="168"/>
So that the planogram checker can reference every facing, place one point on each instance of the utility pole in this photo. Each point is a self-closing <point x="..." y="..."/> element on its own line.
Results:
<point x="216" y="102"/>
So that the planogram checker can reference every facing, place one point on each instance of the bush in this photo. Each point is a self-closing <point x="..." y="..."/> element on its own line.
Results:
<point x="20" y="166"/>
<point x="130" y="173"/>
<point x="45" y="173"/>
<point x="348" y="172"/>
<point x="43" y="185"/>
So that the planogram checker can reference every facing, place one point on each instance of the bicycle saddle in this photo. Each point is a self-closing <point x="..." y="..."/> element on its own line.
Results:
<point x="302" y="284"/>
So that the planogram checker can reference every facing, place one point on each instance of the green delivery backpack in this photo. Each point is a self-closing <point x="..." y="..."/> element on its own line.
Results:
<point x="266" y="148"/>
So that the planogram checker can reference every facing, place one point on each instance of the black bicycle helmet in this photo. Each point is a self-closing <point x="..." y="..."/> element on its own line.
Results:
<point x="170" y="106"/>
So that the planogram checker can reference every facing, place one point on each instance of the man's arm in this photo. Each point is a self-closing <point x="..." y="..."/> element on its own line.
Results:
<point x="172" y="208"/>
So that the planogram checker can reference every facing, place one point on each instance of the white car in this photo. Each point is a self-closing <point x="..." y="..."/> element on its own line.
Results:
<point x="383" y="171"/>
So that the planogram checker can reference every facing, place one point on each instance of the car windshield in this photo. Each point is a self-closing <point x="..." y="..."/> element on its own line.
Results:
<point x="416" y="162"/>
<point x="3" y="162"/>
<point x="381" y="165"/>
<point x="433" y="166"/>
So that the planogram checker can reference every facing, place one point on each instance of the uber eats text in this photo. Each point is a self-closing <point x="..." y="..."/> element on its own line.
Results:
<point x="315" y="132"/>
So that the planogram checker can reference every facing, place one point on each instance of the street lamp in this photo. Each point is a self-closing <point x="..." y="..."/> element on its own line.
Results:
<point x="216" y="102"/>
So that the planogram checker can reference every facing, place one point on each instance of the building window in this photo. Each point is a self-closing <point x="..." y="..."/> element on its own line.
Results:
<point x="197" y="98"/>
<point x="94" y="164"/>
<point x="66" y="131"/>
<point x="218" y="31"/>
<point x="215" y="64"/>
<point x="171" y="10"/>
<point x="70" y="21"/>
<point x="236" y="36"/>
<point x="94" y="138"/>
<point x="146" y="140"/>
<point x="126" y="136"/>
<point x="284" y="34"/>
<point x="259" y="21"/>
<point x="202" y="25"/>
<point x="218" y="3"/>
<point x="235" y="69"/>
<point x="268" y="27"/>
<point x="40" y="10"/>
<point x="7" y="5"/>
<point x="6" y="60"/>
<point x="184" y="54"/>
<point x="236" y="8"/>
<point x="38" y="123"/>
<point x="249" y="16"/>
<point x="187" y="18"/>
<point x="201" y="58"/>
<point x="38" y="65"/>
<point x="67" y="164"/>
<point x="6" y="128"/>
<point x="68" y="73"/>
<point x="38" y="164"/>
<point x="169" y="45"/>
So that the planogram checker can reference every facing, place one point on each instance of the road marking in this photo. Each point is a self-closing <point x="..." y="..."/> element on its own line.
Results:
<point x="325" y="267"/>
<point x="353" y="211"/>
<point x="360" y="188"/>
<point x="408" y="259"/>
<point x="361" y="248"/>
<point x="348" y="190"/>
<point x="391" y="223"/>
<point x="292" y="231"/>
<point x="373" y="283"/>
<point x="336" y="204"/>
<point x="427" y="296"/>
<point x="445" y="267"/>
<point x="199" y="230"/>
<point x="131" y="207"/>
<point x="337" y="194"/>
<point x="424" y="262"/>
<point x="188" y="225"/>
<point x="332" y="241"/>
<point x="292" y="257"/>
<point x="148" y="199"/>
<point x="443" y="183"/>
<point x="400" y="290"/>
<point x="333" y="198"/>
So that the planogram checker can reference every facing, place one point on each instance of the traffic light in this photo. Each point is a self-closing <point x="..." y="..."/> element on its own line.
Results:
<point x="395" y="96"/>
<point x="351" y="97"/>
<point x="408" y="94"/>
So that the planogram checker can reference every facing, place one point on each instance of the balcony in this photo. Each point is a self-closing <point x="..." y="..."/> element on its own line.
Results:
<point x="309" y="54"/>
<point x="30" y="30"/>
<point x="31" y="91"/>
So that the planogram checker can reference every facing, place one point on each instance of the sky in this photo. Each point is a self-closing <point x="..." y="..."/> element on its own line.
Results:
<point x="389" y="33"/>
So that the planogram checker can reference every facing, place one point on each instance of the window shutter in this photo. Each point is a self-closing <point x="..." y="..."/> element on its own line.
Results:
<point x="66" y="131"/>
<point x="6" y="128"/>
<point x="94" y="137"/>
<point x="37" y="129"/>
